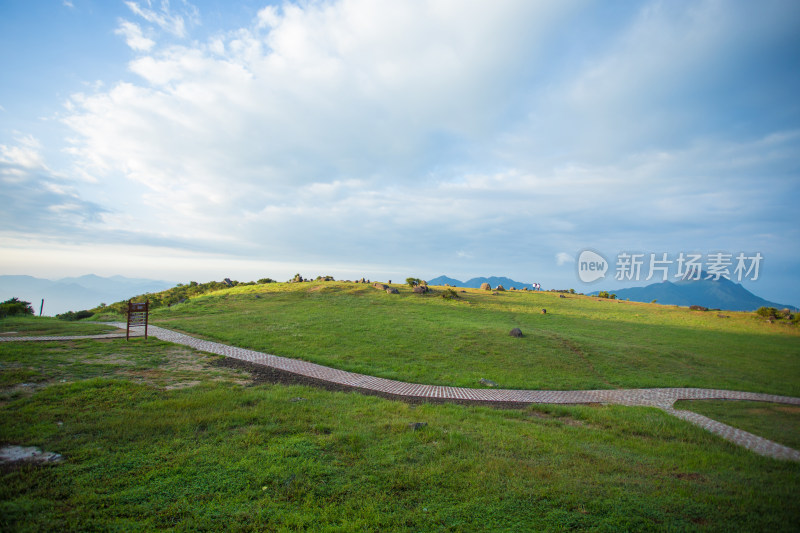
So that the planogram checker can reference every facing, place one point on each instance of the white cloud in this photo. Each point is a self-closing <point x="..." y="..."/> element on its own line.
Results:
<point x="36" y="198"/>
<point x="165" y="18"/>
<point x="134" y="37"/>
<point x="67" y="3"/>
<point x="562" y="258"/>
<point x="362" y="130"/>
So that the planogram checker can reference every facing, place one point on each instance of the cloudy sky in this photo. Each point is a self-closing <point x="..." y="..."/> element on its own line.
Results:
<point x="199" y="140"/>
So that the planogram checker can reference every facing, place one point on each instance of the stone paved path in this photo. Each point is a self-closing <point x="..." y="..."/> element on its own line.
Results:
<point x="661" y="398"/>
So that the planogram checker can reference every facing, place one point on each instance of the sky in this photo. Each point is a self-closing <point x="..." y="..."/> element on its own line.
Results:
<point x="199" y="140"/>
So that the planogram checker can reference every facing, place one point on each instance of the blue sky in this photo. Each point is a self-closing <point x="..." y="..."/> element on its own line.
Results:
<point x="200" y="140"/>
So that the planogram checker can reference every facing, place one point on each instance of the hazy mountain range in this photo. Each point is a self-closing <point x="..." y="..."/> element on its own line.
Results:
<point x="74" y="294"/>
<point x="714" y="294"/>
<point x="475" y="283"/>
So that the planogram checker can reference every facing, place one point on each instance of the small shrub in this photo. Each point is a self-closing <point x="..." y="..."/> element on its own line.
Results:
<point x="654" y="302"/>
<point x="767" y="312"/>
<point x="262" y="281"/>
<point x="75" y="315"/>
<point x="698" y="308"/>
<point x="449" y="294"/>
<point x="15" y="306"/>
<point x="415" y="282"/>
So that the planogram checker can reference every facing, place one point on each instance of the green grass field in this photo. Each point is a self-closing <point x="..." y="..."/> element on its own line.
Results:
<point x="47" y="326"/>
<point x="776" y="422"/>
<point x="161" y="437"/>
<point x="156" y="436"/>
<point x="580" y="343"/>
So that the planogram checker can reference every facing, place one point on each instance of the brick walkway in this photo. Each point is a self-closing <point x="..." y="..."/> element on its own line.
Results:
<point x="660" y="398"/>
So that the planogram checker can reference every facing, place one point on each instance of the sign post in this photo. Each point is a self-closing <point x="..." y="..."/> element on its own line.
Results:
<point x="137" y="316"/>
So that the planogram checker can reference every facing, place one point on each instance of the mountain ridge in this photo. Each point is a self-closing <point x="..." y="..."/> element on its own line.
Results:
<point x="75" y="293"/>
<point x="714" y="294"/>
<point x="475" y="283"/>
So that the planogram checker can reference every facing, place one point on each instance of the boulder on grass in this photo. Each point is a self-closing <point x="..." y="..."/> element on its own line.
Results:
<point x="391" y="290"/>
<point x="486" y="286"/>
<point x="516" y="332"/>
<point x="420" y="289"/>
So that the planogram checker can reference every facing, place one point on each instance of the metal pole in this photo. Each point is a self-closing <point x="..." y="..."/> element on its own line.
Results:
<point x="41" y="308"/>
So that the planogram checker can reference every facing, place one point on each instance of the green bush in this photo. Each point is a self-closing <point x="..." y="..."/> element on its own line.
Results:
<point x="413" y="282"/>
<point x="767" y="312"/>
<point x="449" y="294"/>
<point x="14" y="307"/>
<point x="75" y="315"/>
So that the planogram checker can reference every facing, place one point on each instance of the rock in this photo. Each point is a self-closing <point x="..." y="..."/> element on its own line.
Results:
<point x="722" y="316"/>
<point x="561" y="296"/>
<point x="698" y="308"/>
<point x="486" y="286"/>
<point x="391" y="290"/>
<point x="544" y="311"/>
<point x="495" y="293"/>
<point x="228" y="282"/>
<point x="389" y="282"/>
<point x="297" y="399"/>
<point x="380" y="286"/>
<point x="487" y="382"/>
<point x="512" y="289"/>
<point x="516" y="332"/>
<point x="416" y="426"/>
<point x="421" y="289"/>
<point x="500" y="288"/>
<point x="31" y="454"/>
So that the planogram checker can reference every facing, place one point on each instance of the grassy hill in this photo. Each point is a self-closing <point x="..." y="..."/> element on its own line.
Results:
<point x="580" y="343"/>
<point x="160" y="437"/>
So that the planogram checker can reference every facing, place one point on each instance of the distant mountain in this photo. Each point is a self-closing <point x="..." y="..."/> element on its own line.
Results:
<point x="714" y="294"/>
<point x="475" y="283"/>
<point x="74" y="294"/>
<point x="444" y="280"/>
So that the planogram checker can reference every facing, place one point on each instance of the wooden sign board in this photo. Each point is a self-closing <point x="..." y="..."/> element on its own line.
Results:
<point x="138" y="313"/>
